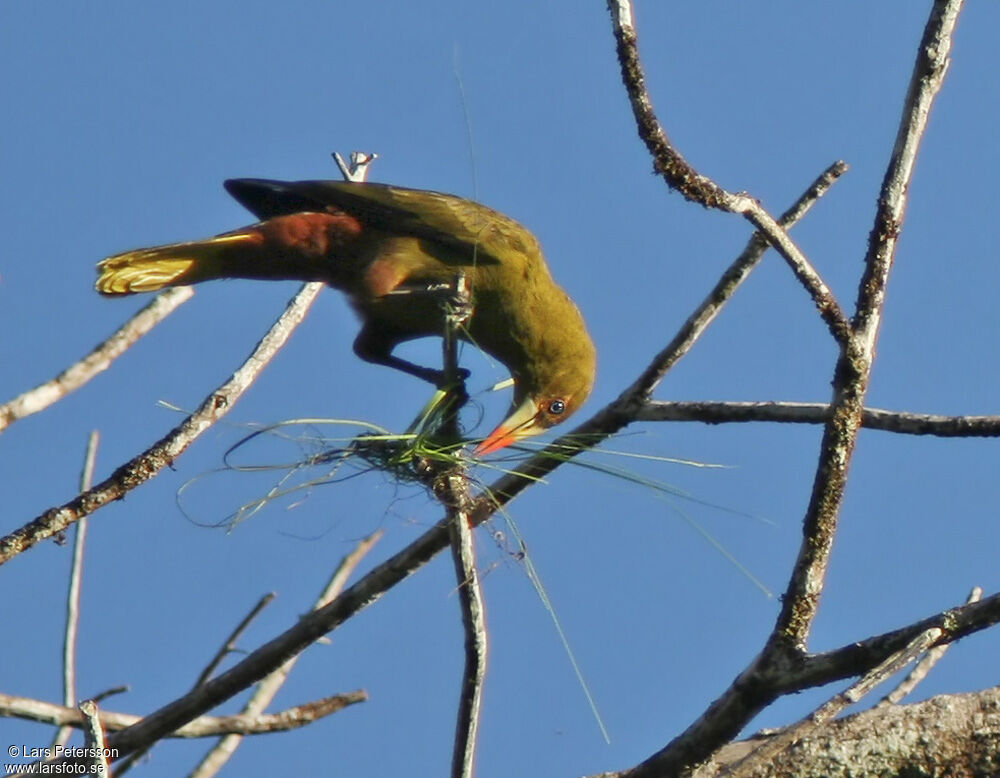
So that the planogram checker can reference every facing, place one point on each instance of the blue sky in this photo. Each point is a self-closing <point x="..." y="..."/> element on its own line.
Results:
<point x="121" y="121"/>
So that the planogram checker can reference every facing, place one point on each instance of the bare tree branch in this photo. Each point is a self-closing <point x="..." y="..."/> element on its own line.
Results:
<point x="925" y="665"/>
<point x="903" y="422"/>
<point x="760" y="689"/>
<point x="770" y="676"/>
<point x="451" y="487"/>
<point x="623" y="410"/>
<point x="98" y="360"/>
<point x="228" y="646"/>
<point x="955" y="734"/>
<point x="470" y="594"/>
<point x="230" y="643"/>
<point x="203" y="726"/>
<point x="853" y="369"/>
<point x="860" y="656"/>
<point x="97" y="760"/>
<point x="103" y="695"/>
<point x="266" y="690"/>
<point x="762" y="682"/>
<point x="378" y="581"/>
<point x="73" y="594"/>
<point x="403" y="564"/>
<point x="784" y="665"/>
<point x="727" y="285"/>
<point x="750" y="692"/>
<point x="833" y="707"/>
<point x="680" y="175"/>
<point x="162" y="453"/>
<point x="759" y="686"/>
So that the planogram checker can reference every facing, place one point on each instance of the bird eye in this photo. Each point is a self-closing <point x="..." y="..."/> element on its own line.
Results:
<point x="556" y="407"/>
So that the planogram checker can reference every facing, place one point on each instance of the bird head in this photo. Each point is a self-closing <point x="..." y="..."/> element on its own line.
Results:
<point x="548" y="389"/>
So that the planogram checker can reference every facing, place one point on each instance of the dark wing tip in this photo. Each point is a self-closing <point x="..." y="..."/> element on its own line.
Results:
<point x="266" y="199"/>
<point x="235" y="186"/>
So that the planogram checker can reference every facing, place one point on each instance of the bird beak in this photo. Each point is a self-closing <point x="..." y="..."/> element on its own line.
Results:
<point x="519" y="425"/>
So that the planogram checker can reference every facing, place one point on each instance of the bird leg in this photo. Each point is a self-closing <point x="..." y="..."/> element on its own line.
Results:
<point x="457" y="311"/>
<point x="375" y="344"/>
<point x="376" y="347"/>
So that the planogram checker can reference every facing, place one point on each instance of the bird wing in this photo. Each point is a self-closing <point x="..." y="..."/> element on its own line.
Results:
<point x="446" y="219"/>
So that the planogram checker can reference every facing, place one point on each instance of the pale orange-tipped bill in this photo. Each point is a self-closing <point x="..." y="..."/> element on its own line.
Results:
<point x="522" y="423"/>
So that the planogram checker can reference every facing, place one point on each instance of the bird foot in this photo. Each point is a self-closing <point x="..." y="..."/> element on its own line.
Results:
<point x="453" y="298"/>
<point x="440" y="378"/>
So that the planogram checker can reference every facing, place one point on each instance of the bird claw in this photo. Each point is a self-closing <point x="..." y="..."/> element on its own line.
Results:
<point x="453" y="298"/>
<point x="458" y="308"/>
<point x="458" y="303"/>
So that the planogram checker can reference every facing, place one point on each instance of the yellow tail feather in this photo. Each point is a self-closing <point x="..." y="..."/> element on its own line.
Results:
<point x="179" y="264"/>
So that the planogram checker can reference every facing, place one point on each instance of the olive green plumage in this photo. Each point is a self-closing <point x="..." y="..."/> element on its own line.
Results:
<point x="384" y="247"/>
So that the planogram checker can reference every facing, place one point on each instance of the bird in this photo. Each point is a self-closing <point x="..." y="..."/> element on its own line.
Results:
<point x="388" y="249"/>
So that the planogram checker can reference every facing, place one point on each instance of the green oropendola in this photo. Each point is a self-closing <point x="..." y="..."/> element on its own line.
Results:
<point x="386" y="247"/>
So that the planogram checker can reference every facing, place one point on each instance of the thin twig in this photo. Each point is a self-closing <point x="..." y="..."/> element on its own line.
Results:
<point x="93" y="739"/>
<point x="73" y="594"/>
<point x="452" y="488"/>
<point x="826" y="304"/>
<point x="860" y="656"/>
<point x="230" y="643"/>
<point x="681" y="176"/>
<point x="773" y="746"/>
<point x="902" y="422"/>
<point x="98" y="360"/>
<point x="262" y="696"/>
<point x="228" y="646"/>
<point x="147" y="464"/>
<point x="470" y="597"/>
<point x="202" y="726"/>
<point x="925" y="665"/>
<point x="102" y="696"/>
<point x="357" y="169"/>
<point x="727" y="285"/>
